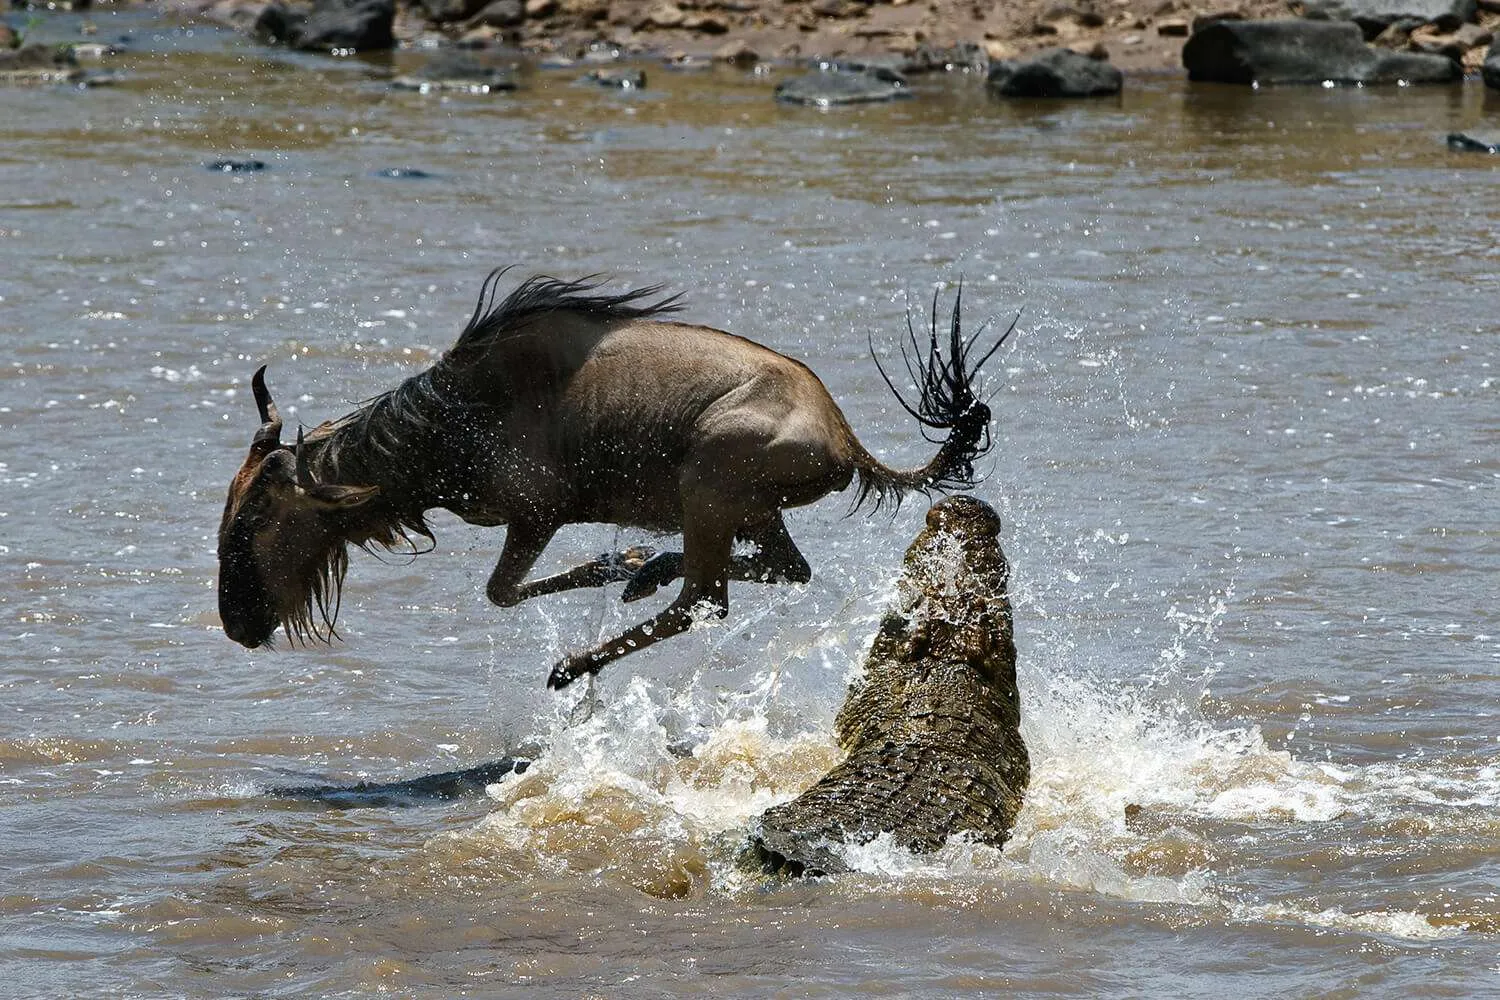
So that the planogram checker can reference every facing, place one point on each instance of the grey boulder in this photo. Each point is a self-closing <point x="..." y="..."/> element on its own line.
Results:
<point x="1304" y="52"/>
<point x="839" y="86"/>
<point x="456" y="71"/>
<point x="331" y="25"/>
<point x="1374" y="16"/>
<point x="1055" y="73"/>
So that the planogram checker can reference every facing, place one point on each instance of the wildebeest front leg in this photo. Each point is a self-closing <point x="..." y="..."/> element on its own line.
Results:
<point x="607" y="567"/>
<point x="524" y="542"/>
<point x="776" y="559"/>
<point x="707" y="539"/>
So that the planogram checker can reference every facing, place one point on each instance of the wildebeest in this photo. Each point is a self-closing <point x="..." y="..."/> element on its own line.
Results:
<point x="565" y="404"/>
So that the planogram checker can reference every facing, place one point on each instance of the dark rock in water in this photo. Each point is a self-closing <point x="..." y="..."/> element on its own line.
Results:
<point x="94" y="51"/>
<point x="1416" y="67"/>
<point x="838" y="86"/>
<point x="620" y="79"/>
<point x="331" y="25"/>
<point x="498" y="14"/>
<point x="404" y="174"/>
<point x="1491" y="69"/>
<point x="881" y="71"/>
<point x="451" y="70"/>
<point x="349" y="25"/>
<point x="1304" y="52"/>
<point x="448" y="11"/>
<point x="429" y="788"/>
<point x="960" y="58"/>
<point x="1469" y="144"/>
<point x="933" y="728"/>
<point x="1374" y="16"/>
<point x="1055" y="73"/>
<point x="37" y="63"/>
<point x="236" y="166"/>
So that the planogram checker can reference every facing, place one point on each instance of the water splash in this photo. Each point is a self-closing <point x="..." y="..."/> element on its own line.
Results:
<point x="1134" y="795"/>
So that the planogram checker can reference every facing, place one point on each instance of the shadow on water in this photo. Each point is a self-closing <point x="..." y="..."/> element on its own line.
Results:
<point x="425" y="790"/>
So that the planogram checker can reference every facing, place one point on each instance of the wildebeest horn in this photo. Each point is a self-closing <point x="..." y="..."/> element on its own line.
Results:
<point x="304" y="473"/>
<point x="268" y="438"/>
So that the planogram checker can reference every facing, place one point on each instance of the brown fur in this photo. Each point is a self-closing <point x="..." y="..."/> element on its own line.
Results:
<point x="563" y="405"/>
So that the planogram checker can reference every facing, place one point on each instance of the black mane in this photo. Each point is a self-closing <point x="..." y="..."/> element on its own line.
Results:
<point x="426" y="402"/>
<point x="542" y="294"/>
<point x="420" y="414"/>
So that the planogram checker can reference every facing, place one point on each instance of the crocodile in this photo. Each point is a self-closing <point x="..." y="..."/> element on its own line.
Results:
<point x="932" y="729"/>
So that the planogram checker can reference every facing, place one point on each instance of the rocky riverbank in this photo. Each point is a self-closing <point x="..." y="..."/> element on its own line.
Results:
<point x="1134" y="35"/>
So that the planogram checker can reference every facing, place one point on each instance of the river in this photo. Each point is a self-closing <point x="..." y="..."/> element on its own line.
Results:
<point x="1246" y="457"/>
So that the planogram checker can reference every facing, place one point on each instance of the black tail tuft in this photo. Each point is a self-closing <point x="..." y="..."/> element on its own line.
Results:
<point x="948" y="405"/>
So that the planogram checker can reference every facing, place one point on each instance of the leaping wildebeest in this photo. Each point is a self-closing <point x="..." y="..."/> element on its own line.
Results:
<point x="564" y="404"/>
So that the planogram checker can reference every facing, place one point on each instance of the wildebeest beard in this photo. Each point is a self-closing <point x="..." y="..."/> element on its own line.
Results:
<point x="308" y="612"/>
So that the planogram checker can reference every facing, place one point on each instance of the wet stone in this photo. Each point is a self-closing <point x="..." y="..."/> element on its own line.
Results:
<point x="404" y="174"/>
<point x="500" y="14"/>
<point x="38" y="63"/>
<point x="1296" y="51"/>
<point x="338" y="26"/>
<point x="235" y="166"/>
<point x="962" y="58"/>
<point x="456" y="71"/>
<point x="1374" y="16"/>
<point x="618" y="79"/>
<point x="1055" y="73"/>
<point x="838" y="87"/>
<point x="1464" y="143"/>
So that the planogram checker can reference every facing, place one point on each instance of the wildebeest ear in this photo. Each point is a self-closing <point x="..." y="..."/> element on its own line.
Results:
<point x="340" y="497"/>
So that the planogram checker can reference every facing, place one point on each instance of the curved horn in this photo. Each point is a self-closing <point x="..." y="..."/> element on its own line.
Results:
<point x="263" y="400"/>
<point x="268" y="438"/>
<point x="304" y="473"/>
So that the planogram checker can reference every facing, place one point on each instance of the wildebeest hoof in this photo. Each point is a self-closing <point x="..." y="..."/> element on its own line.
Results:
<point x="569" y="670"/>
<point x="630" y="562"/>
<point x="661" y="568"/>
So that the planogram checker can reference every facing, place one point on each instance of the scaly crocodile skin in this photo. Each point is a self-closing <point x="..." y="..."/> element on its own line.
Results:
<point x="933" y="728"/>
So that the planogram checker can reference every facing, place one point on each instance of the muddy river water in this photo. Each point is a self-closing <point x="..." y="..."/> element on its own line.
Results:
<point x="1246" y="457"/>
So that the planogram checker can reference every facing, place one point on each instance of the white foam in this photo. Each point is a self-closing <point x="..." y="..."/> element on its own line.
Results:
<point x="1128" y="783"/>
<point x="1386" y="923"/>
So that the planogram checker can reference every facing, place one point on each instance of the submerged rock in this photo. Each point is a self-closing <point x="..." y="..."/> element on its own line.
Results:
<point x="451" y="70"/>
<point x="235" y="166"/>
<point x="618" y="79"/>
<point x="965" y="57"/>
<point x="1465" y="143"/>
<point x="841" y="86"/>
<point x="37" y="63"/>
<point x="1304" y="52"/>
<point x="933" y="728"/>
<point x="1055" y="73"/>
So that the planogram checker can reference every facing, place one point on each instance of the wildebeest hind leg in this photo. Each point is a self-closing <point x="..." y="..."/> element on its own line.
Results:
<point x="776" y="559"/>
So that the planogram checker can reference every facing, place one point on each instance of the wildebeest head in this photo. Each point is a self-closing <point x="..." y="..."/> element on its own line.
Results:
<point x="282" y="541"/>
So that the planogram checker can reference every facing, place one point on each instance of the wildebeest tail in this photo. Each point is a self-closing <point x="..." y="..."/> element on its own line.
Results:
<point x="947" y="407"/>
